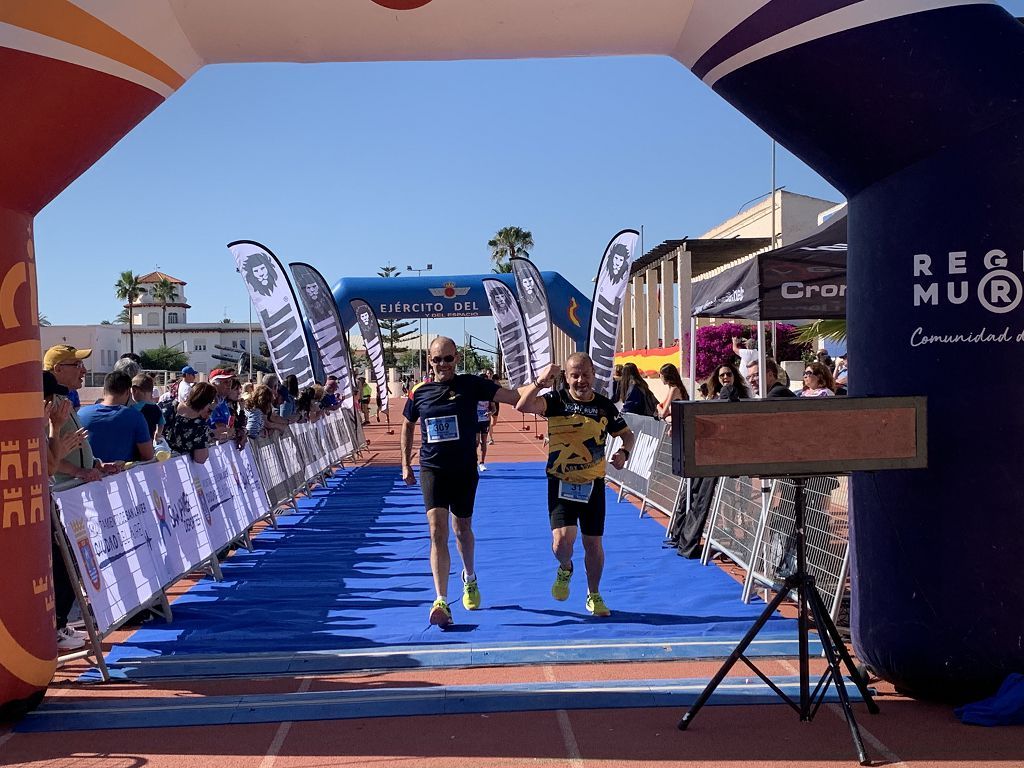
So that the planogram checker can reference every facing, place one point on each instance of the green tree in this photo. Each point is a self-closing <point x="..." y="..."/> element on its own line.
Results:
<point x="44" y="320"/>
<point x="409" y="360"/>
<point x="833" y="330"/>
<point x="164" y="291"/>
<point x="508" y="242"/>
<point x="394" y="331"/>
<point x="473" y="361"/>
<point x="163" y="359"/>
<point x="128" y="289"/>
<point x="122" y="317"/>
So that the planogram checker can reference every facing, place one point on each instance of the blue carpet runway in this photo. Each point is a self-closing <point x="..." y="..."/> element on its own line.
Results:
<point x="345" y="583"/>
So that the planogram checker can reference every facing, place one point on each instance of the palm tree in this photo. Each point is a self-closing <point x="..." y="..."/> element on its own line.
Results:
<point x="44" y="320"/>
<point x="832" y="330"/>
<point x="122" y="317"/>
<point x="508" y="242"/>
<point x="164" y="291"/>
<point x="128" y="289"/>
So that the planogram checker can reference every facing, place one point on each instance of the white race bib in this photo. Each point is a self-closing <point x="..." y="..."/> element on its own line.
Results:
<point x="579" y="492"/>
<point x="442" y="429"/>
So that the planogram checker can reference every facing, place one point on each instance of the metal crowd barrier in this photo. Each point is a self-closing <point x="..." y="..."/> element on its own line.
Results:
<point x="127" y="538"/>
<point x="751" y="520"/>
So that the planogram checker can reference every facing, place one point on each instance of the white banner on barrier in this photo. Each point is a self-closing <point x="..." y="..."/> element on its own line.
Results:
<point x="230" y="493"/>
<point x="179" y="523"/>
<point x="112" y="543"/>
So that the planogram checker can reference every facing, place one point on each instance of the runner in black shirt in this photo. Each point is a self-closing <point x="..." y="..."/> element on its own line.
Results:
<point x="446" y="409"/>
<point x="579" y="423"/>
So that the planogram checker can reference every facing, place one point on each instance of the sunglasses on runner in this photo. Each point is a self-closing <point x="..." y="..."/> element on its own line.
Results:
<point x="445" y="359"/>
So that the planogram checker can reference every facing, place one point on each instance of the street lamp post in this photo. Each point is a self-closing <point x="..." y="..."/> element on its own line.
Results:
<point x="419" y="351"/>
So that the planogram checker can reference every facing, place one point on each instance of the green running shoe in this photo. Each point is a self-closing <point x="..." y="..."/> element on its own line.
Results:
<point x="440" y="614"/>
<point x="470" y="594"/>
<point x="560" y="589"/>
<point x="595" y="604"/>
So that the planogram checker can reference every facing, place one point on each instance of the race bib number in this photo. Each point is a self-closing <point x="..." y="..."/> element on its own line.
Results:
<point x="575" y="491"/>
<point x="442" y="429"/>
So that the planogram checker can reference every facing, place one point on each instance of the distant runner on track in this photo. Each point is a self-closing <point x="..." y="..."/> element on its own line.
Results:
<point x="579" y="422"/>
<point x="446" y="409"/>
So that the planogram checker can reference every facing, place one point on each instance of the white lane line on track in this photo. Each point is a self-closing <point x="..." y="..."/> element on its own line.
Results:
<point x="836" y="710"/>
<point x="282" y="732"/>
<point x="572" y="747"/>
<point x="6" y="737"/>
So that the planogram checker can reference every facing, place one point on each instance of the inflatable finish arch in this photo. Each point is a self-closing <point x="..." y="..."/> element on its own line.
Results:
<point x="457" y="296"/>
<point x="913" y="109"/>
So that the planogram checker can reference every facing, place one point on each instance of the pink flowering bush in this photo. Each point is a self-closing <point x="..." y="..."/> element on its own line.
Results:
<point x="714" y="344"/>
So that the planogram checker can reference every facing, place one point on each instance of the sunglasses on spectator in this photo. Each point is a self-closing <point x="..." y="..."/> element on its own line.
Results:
<point x="725" y="374"/>
<point x="810" y="373"/>
<point x="76" y="364"/>
<point x="445" y="359"/>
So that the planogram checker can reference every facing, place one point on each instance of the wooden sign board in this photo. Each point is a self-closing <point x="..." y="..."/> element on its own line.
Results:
<point x="797" y="436"/>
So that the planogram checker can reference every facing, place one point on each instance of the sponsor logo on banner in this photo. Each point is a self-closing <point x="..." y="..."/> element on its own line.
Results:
<point x="81" y="535"/>
<point x="956" y="278"/>
<point x="609" y="291"/>
<point x="203" y="503"/>
<point x="369" y="329"/>
<point x="574" y="317"/>
<point x="449" y="291"/>
<point x="276" y="308"/>
<point x="161" y="513"/>
<point x="533" y="301"/>
<point x="508" y="319"/>
<point x="732" y="297"/>
<point x="328" y="329"/>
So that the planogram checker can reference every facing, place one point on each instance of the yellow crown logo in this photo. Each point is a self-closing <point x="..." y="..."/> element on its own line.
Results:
<point x="78" y="528"/>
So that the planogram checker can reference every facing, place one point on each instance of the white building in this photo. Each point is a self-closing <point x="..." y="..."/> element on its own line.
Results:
<point x="199" y="341"/>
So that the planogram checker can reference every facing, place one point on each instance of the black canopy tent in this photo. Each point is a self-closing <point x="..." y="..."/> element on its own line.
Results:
<point x="802" y="281"/>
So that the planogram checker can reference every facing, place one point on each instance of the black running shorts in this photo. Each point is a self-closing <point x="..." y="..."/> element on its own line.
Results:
<point x="454" y="490"/>
<point x="587" y="515"/>
<point x="482" y="427"/>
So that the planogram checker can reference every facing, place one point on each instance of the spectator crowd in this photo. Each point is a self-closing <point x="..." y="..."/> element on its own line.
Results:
<point x="129" y="424"/>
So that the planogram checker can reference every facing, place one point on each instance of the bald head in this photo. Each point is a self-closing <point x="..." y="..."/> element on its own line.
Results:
<point x="442" y="345"/>
<point x="444" y="356"/>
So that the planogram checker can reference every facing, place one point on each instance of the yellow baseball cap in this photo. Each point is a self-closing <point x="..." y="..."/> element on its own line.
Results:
<point x="63" y="353"/>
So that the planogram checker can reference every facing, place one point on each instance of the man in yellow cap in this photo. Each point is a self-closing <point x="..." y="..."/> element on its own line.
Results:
<point x="65" y="363"/>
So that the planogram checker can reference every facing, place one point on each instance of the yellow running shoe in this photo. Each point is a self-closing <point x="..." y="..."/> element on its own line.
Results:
<point x="440" y="614"/>
<point x="470" y="593"/>
<point x="560" y="589"/>
<point x="595" y="604"/>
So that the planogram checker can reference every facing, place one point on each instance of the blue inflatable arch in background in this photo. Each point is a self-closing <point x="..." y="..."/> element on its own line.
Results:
<point x="457" y="296"/>
<point x="913" y="109"/>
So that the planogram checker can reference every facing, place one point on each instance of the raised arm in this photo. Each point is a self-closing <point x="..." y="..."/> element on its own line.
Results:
<point x="529" y="401"/>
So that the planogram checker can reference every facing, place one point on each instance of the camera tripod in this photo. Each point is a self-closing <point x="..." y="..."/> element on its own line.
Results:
<point x="836" y="654"/>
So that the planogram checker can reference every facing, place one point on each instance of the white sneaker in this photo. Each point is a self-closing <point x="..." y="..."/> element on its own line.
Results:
<point x="67" y="640"/>
<point x="490" y="441"/>
<point x="482" y="467"/>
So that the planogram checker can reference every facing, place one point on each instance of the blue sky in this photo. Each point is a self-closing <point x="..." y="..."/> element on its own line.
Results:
<point x="352" y="166"/>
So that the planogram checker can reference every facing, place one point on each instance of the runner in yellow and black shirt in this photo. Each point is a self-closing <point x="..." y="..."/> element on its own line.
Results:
<point x="579" y="422"/>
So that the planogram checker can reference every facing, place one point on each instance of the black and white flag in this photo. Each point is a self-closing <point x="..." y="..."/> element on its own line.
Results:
<point x="328" y="330"/>
<point x="277" y="309"/>
<point x="533" y="300"/>
<point x="609" y="291"/>
<point x="369" y="329"/>
<point x="508" y="319"/>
